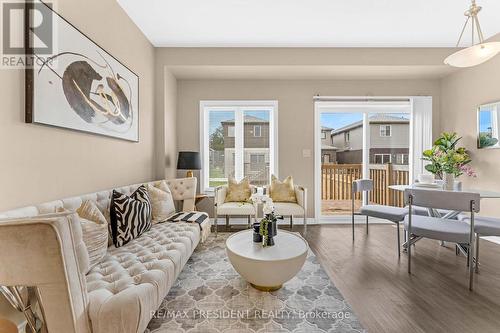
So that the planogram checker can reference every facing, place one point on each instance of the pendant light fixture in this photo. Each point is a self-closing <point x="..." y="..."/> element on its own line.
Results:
<point x="477" y="53"/>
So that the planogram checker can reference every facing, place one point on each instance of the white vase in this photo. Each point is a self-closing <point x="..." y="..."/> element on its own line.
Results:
<point x="449" y="181"/>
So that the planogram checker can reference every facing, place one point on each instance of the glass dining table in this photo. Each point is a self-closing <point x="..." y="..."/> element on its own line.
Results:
<point x="435" y="212"/>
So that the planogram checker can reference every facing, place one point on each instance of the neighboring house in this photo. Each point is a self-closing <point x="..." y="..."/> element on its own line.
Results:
<point x="256" y="152"/>
<point x="389" y="141"/>
<point x="328" y="154"/>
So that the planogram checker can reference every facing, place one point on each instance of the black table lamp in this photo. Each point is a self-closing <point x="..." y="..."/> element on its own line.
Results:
<point x="189" y="160"/>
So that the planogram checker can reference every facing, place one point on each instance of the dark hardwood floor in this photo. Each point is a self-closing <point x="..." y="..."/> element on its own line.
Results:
<point x="435" y="298"/>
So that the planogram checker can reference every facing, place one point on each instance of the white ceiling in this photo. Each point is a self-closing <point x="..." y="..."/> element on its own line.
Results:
<point x="307" y="23"/>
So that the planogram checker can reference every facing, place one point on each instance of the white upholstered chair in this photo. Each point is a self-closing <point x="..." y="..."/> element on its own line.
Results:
<point x="291" y="209"/>
<point x="228" y="209"/>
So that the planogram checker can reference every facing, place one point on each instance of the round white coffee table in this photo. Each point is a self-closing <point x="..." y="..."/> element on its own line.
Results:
<point x="267" y="268"/>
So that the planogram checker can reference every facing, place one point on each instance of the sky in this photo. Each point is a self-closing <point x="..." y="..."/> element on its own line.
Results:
<point x="338" y="120"/>
<point x="484" y="121"/>
<point x="216" y="117"/>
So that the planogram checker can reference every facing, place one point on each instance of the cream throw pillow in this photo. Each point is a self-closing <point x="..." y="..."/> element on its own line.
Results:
<point x="282" y="191"/>
<point x="95" y="231"/>
<point x="238" y="192"/>
<point x="162" y="202"/>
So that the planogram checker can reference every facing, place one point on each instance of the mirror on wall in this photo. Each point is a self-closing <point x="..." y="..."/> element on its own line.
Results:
<point x="488" y="125"/>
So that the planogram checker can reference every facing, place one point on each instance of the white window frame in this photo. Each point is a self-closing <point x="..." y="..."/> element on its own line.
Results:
<point x="229" y="128"/>
<point x="323" y="135"/>
<point x="347" y="136"/>
<point x="383" y="155"/>
<point x="383" y="131"/>
<point x="255" y="131"/>
<point x="238" y="107"/>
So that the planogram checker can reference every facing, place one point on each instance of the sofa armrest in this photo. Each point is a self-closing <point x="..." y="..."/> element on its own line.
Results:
<point x="220" y="195"/>
<point x="184" y="189"/>
<point x="301" y="195"/>
<point x="43" y="252"/>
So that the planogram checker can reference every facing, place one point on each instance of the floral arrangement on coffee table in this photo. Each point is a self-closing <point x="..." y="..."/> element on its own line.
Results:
<point x="268" y="223"/>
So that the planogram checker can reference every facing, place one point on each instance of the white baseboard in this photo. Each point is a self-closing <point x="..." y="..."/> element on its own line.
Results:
<point x="310" y="220"/>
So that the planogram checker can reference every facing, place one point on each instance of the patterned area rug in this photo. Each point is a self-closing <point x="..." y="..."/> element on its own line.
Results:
<point x="209" y="296"/>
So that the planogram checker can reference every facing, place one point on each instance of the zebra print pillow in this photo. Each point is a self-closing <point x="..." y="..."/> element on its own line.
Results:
<point x="130" y="216"/>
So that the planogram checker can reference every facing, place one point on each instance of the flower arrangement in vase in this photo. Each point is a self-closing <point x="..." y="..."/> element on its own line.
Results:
<point x="268" y="225"/>
<point x="447" y="161"/>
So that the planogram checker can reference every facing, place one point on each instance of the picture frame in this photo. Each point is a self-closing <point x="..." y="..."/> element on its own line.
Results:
<point x="79" y="85"/>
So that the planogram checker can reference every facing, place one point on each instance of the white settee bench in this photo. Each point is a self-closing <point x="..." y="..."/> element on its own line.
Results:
<point x="42" y="248"/>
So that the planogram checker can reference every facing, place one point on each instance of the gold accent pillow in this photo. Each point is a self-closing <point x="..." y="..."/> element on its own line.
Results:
<point x="95" y="231"/>
<point x="282" y="191"/>
<point x="162" y="202"/>
<point x="238" y="192"/>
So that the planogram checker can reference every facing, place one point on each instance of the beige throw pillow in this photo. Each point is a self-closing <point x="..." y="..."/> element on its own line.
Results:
<point x="282" y="191"/>
<point x="162" y="202"/>
<point x="95" y="231"/>
<point x="238" y="192"/>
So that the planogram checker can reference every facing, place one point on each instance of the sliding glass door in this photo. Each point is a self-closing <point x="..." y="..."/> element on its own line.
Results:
<point x="361" y="140"/>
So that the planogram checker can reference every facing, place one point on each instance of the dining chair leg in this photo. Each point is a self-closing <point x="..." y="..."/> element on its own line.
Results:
<point x="399" y="240"/>
<point x="408" y="249"/>
<point x="227" y="222"/>
<point x="367" y="224"/>
<point x="352" y="214"/>
<point x="291" y="222"/>
<point x="471" y="265"/>
<point x="249" y="221"/>
<point x="477" y="254"/>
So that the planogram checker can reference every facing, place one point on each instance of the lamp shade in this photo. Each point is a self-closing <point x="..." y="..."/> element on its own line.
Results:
<point x="474" y="55"/>
<point x="189" y="160"/>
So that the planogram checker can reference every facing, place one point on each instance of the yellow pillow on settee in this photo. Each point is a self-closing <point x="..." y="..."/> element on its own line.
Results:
<point x="282" y="191"/>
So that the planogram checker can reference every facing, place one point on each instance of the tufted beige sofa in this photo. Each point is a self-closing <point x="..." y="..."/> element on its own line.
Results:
<point x="41" y="248"/>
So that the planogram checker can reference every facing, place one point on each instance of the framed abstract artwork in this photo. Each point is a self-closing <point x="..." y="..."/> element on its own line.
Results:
<point x="79" y="85"/>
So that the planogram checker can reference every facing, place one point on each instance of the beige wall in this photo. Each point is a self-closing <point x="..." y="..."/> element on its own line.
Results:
<point x="462" y="93"/>
<point x="40" y="163"/>
<point x="296" y="114"/>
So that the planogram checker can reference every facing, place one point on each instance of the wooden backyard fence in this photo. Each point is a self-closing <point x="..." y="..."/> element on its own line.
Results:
<point x="336" y="182"/>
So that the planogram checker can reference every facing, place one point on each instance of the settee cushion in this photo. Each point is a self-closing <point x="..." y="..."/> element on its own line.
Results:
<point x="162" y="203"/>
<point x="130" y="283"/>
<point x="95" y="231"/>
<point x="130" y="215"/>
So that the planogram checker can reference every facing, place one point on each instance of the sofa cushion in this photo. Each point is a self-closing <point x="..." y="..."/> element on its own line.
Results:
<point x="238" y="192"/>
<point x="162" y="203"/>
<point x="130" y="215"/>
<point x="130" y="283"/>
<point x="288" y="208"/>
<point x="95" y="231"/>
<point x="236" y="208"/>
<point x="282" y="191"/>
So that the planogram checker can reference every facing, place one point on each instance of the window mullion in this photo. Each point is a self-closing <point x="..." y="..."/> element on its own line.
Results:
<point x="239" y="143"/>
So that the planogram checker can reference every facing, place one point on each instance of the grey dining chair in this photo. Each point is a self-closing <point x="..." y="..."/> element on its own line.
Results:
<point x="454" y="231"/>
<point x="483" y="226"/>
<point x="390" y="213"/>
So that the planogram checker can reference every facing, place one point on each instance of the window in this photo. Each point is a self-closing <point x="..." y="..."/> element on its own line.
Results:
<point x="323" y="135"/>
<point x="257" y="161"/>
<point x="382" y="158"/>
<point x="385" y="130"/>
<point x="228" y="146"/>
<point x="402" y="159"/>
<point x="257" y="131"/>
<point x="346" y="136"/>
